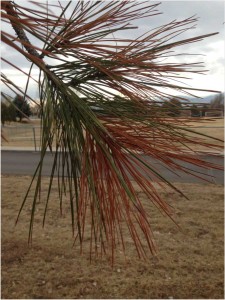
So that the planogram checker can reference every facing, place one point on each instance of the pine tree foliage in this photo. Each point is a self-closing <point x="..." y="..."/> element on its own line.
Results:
<point x="99" y="90"/>
<point x="22" y="107"/>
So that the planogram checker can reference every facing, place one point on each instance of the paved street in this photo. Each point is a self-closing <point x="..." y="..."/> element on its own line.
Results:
<point x="25" y="162"/>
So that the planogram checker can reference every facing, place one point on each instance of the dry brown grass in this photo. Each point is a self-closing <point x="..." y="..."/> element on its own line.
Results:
<point x="22" y="136"/>
<point x="213" y="127"/>
<point x="189" y="263"/>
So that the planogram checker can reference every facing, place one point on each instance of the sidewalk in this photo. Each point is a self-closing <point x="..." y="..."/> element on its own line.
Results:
<point x="7" y="148"/>
<point x="32" y="149"/>
<point x="22" y="149"/>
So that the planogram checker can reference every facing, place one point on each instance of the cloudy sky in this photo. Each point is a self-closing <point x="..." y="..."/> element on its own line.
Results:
<point x="210" y="19"/>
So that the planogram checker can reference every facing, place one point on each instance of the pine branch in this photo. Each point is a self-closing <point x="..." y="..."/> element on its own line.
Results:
<point x="14" y="19"/>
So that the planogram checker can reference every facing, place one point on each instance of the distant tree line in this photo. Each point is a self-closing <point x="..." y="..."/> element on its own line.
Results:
<point x="18" y="109"/>
<point x="8" y="113"/>
<point x="217" y="103"/>
<point x="174" y="107"/>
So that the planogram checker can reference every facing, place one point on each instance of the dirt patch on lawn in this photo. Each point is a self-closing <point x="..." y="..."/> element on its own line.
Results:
<point x="189" y="264"/>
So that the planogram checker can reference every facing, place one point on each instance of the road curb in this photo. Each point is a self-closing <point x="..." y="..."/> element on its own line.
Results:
<point x="31" y="149"/>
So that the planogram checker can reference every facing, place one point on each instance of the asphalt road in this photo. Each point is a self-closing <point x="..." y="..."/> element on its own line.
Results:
<point x="25" y="163"/>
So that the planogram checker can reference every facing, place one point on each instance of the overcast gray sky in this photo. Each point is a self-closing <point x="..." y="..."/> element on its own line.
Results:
<point x="211" y="19"/>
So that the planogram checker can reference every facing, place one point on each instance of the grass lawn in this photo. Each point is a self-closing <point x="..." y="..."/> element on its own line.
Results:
<point x="189" y="264"/>
<point x="22" y="134"/>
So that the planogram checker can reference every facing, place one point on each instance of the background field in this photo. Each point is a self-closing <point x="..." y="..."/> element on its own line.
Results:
<point x="189" y="264"/>
<point x="27" y="134"/>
